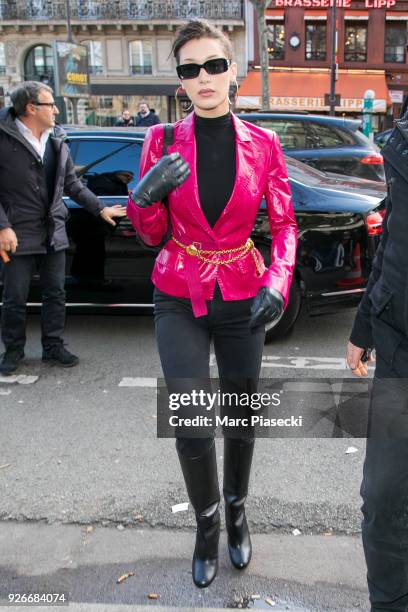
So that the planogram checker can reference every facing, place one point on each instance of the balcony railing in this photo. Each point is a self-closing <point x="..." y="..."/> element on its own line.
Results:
<point x="95" y="69"/>
<point x="120" y="9"/>
<point x="139" y="69"/>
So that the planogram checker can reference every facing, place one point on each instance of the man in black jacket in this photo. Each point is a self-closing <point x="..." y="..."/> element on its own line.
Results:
<point x="146" y="116"/>
<point x="382" y="323"/>
<point x="35" y="170"/>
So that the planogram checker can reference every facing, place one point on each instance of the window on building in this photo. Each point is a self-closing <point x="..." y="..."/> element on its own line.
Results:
<point x="95" y="58"/>
<point x="395" y="41"/>
<point x="106" y="102"/>
<point x="276" y="40"/>
<point x="316" y="41"/>
<point x="39" y="64"/>
<point x="355" y="46"/>
<point x="140" y="52"/>
<point x="2" y="58"/>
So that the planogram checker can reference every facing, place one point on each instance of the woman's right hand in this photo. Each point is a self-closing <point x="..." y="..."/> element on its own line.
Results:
<point x="170" y="172"/>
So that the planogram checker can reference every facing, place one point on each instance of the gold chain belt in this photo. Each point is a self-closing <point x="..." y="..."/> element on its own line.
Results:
<point x="241" y="251"/>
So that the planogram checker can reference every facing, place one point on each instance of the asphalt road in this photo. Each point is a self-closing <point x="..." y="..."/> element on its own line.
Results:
<point x="78" y="447"/>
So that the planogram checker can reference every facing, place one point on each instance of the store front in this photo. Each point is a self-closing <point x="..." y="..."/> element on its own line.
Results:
<point x="308" y="90"/>
<point x="106" y="102"/>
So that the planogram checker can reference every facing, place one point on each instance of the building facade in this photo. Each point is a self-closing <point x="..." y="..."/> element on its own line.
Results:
<point x="371" y="54"/>
<point x="129" y="48"/>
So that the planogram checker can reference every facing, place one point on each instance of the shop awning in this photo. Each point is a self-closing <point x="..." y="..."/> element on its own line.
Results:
<point x="295" y="90"/>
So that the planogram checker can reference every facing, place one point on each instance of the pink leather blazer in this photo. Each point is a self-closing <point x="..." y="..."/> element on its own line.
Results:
<point x="260" y="171"/>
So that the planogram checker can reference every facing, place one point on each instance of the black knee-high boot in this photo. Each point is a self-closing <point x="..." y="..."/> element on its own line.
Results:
<point x="200" y="475"/>
<point x="237" y="469"/>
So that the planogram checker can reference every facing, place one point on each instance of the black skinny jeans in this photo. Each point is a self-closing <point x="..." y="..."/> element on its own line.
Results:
<point x="16" y="284"/>
<point x="184" y="348"/>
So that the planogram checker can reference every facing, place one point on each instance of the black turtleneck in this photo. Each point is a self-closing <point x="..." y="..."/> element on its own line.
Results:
<point x="215" y="140"/>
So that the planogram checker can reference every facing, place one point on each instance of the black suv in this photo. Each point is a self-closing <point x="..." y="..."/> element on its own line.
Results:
<point x="330" y="144"/>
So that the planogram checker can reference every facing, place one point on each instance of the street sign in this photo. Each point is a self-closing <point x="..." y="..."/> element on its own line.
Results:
<point x="397" y="97"/>
<point x="327" y="99"/>
<point x="71" y="69"/>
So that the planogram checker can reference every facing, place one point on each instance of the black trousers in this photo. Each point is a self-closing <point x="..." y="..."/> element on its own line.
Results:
<point x="184" y="347"/>
<point x="385" y="480"/>
<point x="16" y="284"/>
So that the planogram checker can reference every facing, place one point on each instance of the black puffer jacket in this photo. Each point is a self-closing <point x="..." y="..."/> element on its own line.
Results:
<point x="24" y="201"/>
<point x="149" y="120"/>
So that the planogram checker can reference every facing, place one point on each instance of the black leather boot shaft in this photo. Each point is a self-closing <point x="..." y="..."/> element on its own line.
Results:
<point x="200" y="475"/>
<point x="237" y="470"/>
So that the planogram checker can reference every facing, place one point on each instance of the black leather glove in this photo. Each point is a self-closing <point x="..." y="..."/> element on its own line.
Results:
<point x="170" y="172"/>
<point x="267" y="307"/>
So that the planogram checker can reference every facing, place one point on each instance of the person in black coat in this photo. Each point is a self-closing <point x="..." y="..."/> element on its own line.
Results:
<point x="36" y="169"/>
<point x="146" y="116"/>
<point x="382" y="323"/>
<point x="126" y="120"/>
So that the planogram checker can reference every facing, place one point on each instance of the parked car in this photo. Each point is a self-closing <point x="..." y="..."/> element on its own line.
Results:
<point x="330" y="144"/>
<point x="381" y="138"/>
<point x="339" y="222"/>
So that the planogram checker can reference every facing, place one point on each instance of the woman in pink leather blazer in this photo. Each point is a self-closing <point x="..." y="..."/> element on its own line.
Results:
<point x="211" y="283"/>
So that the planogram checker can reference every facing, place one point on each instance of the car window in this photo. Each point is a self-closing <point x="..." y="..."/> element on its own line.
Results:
<point x="347" y="137"/>
<point x="292" y="134"/>
<point x="327" y="136"/>
<point x="107" y="167"/>
<point x="304" y="174"/>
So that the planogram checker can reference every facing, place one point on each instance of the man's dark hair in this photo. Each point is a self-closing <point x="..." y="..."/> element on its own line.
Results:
<point x="196" y="29"/>
<point x="25" y="93"/>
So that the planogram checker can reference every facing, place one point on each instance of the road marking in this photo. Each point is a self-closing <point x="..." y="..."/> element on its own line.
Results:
<point x="305" y="363"/>
<point x="300" y="363"/>
<point x="268" y="361"/>
<point x="138" y="382"/>
<point x="20" y="379"/>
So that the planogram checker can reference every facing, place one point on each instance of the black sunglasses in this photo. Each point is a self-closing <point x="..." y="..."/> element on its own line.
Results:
<point x="212" y="66"/>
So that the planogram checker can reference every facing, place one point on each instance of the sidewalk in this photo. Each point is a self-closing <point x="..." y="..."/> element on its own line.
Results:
<point x="296" y="573"/>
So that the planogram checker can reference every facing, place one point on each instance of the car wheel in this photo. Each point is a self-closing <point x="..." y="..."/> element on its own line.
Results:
<point x="290" y="315"/>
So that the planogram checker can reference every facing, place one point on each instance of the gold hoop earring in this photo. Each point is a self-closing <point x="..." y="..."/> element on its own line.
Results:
<point x="179" y="101"/>
<point x="235" y="94"/>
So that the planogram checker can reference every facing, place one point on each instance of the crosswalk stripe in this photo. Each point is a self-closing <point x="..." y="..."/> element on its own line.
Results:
<point x="138" y="382"/>
<point x="20" y="379"/>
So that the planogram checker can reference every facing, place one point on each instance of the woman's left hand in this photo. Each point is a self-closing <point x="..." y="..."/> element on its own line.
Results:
<point x="268" y="307"/>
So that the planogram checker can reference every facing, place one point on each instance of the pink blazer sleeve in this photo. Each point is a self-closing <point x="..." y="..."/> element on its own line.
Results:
<point x="150" y="223"/>
<point x="282" y="223"/>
